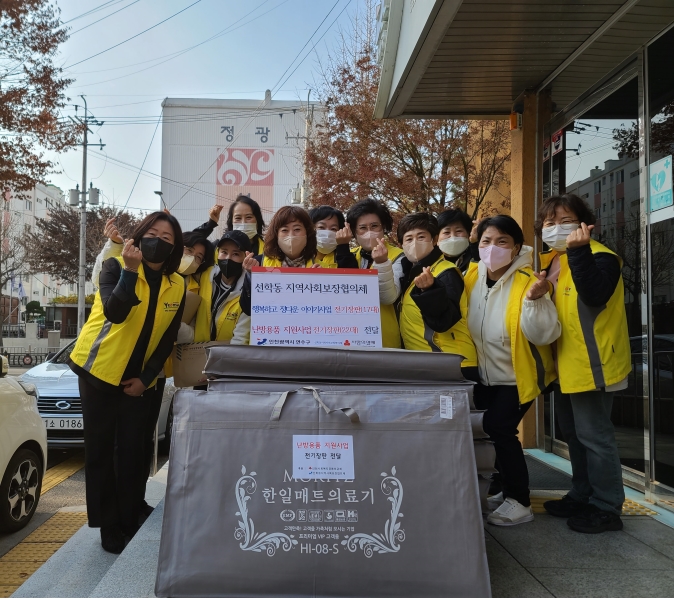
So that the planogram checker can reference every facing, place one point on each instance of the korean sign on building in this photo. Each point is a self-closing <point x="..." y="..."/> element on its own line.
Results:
<point x="315" y="307"/>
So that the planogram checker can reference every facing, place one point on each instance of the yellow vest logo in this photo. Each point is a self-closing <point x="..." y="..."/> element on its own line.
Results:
<point x="232" y="316"/>
<point x="567" y="290"/>
<point x="171" y="306"/>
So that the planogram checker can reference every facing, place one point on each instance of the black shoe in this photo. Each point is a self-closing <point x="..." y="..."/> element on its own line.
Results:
<point x="144" y="514"/>
<point x="566" y="507"/>
<point x="112" y="539"/>
<point x="594" y="521"/>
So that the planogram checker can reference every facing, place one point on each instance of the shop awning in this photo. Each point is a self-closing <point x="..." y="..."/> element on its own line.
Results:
<point x="474" y="58"/>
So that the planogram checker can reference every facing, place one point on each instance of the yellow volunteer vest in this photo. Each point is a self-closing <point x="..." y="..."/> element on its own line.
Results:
<point x="328" y="261"/>
<point x="533" y="364"/>
<point x="275" y="262"/>
<point x="258" y="249"/>
<point x="593" y="350"/>
<point x="227" y="319"/>
<point x="416" y="334"/>
<point x="390" y="331"/>
<point x="103" y="349"/>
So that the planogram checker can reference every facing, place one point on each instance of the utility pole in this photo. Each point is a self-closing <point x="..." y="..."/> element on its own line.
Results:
<point x="81" y="293"/>
<point x="80" y="197"/>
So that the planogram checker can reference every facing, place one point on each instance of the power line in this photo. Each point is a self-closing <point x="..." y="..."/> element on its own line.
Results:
<point x="93" y="10"/>
<point x="132" y="37"/>
<point x="173" y="55"/>
<point x="144" y="159"/>
<point x="103" y="18"/>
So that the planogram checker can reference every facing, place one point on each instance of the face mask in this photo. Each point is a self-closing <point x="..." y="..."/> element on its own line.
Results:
<point x="368" y="241"/>
<point x="187" y="265"/>
<point x="292" y="245"/>
<point x="230" y="269"/>
<point x="417" y="250"/>
<point x="495" y="257"/>
<point x="556" y="236"/>
<point x="454" y="246"/>
<point x="155" y="250"/>
<point x="326" y="241"/>
<point x="249" y="229"/>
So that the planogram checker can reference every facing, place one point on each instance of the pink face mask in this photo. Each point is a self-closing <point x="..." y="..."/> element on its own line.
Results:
<point x="495" y="257"/>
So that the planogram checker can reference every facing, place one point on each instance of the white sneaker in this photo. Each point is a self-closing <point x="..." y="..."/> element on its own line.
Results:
<point x="495" y="501"/>
<point x="511" y="513"/>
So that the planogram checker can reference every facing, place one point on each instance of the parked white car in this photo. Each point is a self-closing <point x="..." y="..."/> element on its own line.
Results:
<point x="23" y="451"/>
<point x="61" y="409"/>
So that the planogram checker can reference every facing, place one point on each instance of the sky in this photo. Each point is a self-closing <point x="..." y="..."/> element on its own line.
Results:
<point x="257" y="42"/>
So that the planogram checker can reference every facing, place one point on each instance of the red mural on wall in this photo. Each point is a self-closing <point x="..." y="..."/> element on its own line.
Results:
<point x="249" y="171"/>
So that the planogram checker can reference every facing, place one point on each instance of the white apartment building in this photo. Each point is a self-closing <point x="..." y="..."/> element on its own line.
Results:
<point x="21" y="215"/>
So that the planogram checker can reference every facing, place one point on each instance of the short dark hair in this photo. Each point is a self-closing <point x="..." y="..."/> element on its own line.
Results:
<point x="369" y="206"/>
<point x="192" y="238"/>
<point x="451" y="216"/>
<point x="569" y="201"/>
<point x="504" y="224"/>
<point x="255" y="207"/>
<point x="418" y="220"/>
<point x="285" y="215"/>
<point x="173" y="262"/>
<point x="323" y="212"/>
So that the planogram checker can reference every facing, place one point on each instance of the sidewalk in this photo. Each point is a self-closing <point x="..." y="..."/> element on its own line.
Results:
<point x="543" y="558"/>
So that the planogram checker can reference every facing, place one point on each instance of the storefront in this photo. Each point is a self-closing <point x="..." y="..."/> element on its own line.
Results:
<point x="590" y="87"/>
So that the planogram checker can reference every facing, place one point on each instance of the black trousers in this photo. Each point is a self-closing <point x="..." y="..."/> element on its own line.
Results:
<point x="502" y="417"/>
<point x="154" y="396"/>
<point x="113" y="421"/>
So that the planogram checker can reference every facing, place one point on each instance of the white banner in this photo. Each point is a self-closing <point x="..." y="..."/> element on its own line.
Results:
<point x="315" y="307"/>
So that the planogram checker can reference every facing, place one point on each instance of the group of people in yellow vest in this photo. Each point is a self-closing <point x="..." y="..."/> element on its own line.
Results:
<point x="454" y="285"/>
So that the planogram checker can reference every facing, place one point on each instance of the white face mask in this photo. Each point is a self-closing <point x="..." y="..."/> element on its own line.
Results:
<point x="496" y="257"/>
<point x="556" y="236"/>
<point x="292" y="245"/>
<point x="454" y="246"/>
<point x="417" y="250"/>
<point x="188" y="265"/>
<point x="368" y="241"/>
<point x="249" y="229"/>
<point x="326" y="241"/>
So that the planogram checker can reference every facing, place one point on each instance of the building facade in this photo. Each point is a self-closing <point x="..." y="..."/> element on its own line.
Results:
<point x="589" y="91"/>
<point x="212" y="150"/>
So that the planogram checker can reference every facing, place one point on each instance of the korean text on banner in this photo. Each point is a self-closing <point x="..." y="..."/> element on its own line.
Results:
<point x="315" y="307"/>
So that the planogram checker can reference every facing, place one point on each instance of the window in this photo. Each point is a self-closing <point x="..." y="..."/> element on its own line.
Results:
<point x="634" y="174"/>
<point x="603" y="208"/>
<point x="620" y="177"/>
<point x="603" y="180"/>
<point x="598" y="213"/>
<point x="621" y="232"/>
<point x="39" y="201"/>
<point x="612" y="205"/>
<point x="585" y="196"/>
<point x="621" y="204"/>
<point x="611" y="178"/>
<point x="597" y="187"/>
<point x="29" y="205"/>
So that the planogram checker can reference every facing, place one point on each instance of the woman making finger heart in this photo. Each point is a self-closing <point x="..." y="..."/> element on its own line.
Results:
<point x="118" y="356"/>
<point x="512" y="321"/>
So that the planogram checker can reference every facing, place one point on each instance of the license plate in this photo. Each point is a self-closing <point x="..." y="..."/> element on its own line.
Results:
<point x="63" y="423"/>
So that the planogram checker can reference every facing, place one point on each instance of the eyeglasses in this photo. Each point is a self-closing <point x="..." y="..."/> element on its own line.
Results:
<point x="376" y="227"/>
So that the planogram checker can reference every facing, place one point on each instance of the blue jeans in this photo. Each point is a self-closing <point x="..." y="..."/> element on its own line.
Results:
<point x="585" y="421"/>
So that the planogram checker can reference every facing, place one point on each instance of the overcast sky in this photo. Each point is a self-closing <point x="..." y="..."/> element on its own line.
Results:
<point x="258" y="40"/>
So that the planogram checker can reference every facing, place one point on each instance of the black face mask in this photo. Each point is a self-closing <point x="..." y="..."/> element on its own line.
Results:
<point x="155" y="250"/>
<point x="230" y="269"/>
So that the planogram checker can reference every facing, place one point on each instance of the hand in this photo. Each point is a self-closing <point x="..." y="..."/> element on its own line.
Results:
<point x="111" y="232"/>
<point x="249" y="262"/>
<point x="539" y="288"/>
<point x="425" y="280"/>
<point x="132" y="255"/>
<point x="579" y="237"/>
<point x="133" y="387"/>
<point x="344" y="236"/>
<point x="380" y="252"/>
<point x="214" y="213"/>
<point x="316" y="265"/>
<point x="472" y="238"/>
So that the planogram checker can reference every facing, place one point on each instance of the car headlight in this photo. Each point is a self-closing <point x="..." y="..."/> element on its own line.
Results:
<point x="29" y="388"/>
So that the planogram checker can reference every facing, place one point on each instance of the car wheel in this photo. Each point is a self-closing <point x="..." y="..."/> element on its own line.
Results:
<point x="165" y="443"/>
<point x="20" y="490"/>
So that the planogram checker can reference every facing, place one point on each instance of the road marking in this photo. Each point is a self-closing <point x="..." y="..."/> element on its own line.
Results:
<point x="61" y="472"/>
<point x="17" y="565"/>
